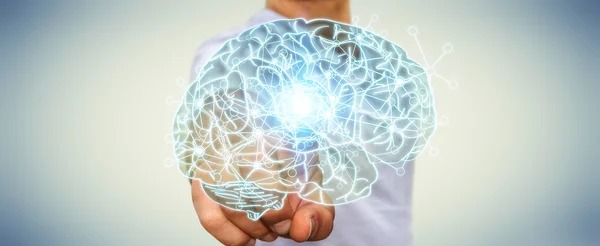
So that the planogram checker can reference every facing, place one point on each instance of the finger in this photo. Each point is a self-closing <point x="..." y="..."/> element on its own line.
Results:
<point x="312" y="222"/>
<point x="254" y="229"/>
<point x="291" y="175"/>
<point x="280" y="220"/>
<point x="283" y="160"/>
<point x="258" y="163"/>
<point x="214" y="221"/>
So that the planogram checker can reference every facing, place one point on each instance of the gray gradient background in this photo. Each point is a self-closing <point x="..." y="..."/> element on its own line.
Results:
<point x="83" y="119"/>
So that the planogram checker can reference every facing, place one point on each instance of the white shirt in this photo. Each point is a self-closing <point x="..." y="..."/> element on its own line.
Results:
<point x="383" y="218"/>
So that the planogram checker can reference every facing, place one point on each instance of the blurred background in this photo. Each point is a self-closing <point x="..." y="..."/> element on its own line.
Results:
<point x="84" y="118"/>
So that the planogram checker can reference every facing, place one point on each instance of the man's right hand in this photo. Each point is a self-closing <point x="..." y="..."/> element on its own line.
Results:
<point x="299" y="220"/>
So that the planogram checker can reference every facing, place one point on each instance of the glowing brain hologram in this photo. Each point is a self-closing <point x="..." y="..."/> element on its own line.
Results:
<point x="305" y="107"/>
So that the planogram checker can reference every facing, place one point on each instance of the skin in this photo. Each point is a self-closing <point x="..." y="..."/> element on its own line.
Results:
<point x="298" y="220"/>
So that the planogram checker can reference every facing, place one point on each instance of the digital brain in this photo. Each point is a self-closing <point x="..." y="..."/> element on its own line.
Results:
<point x="305" y="107"/>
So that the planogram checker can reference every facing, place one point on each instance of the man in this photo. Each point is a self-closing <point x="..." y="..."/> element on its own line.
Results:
<point x="381" y="219"/>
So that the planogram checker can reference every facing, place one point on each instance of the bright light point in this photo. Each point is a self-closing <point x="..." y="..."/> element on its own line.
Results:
<point x="256" y="164"/>
<point x="199" y="104"/>
<point x="328" y="74"/>
<point x="358" y="37"/>
<point x="199" y="151"/>
<point x="392" y="128"/>
<point x="298" y="103"/>
<point x="302" y="104"/>
<point x="328" y="114"/>
<point x="399" y="81"/>
<point x="255" y="112"/>
<point x="332" y="99"/>
<point x="258" y="132"/>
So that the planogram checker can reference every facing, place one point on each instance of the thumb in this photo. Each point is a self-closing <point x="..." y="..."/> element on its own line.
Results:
<point x="312" y="222"/>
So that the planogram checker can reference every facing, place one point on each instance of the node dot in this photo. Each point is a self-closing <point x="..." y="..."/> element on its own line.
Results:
<point x="374" y="18"/>
<point x="169" y="138"/>
<point x="453" y="84"/>
<point x="292" y="173"/>
<point x="448" y="48"/>
<point x="217" y="177"/>
<point x="392" y="101"/>
<point x="392" y="128"/>
<point x="413" y="30"/>
<point x="429" y="119"/>
<point x="413" y="101"/>
<point x="400" y="171"/>
<point x="169" y="162"/>
<point x="332" y="99"/>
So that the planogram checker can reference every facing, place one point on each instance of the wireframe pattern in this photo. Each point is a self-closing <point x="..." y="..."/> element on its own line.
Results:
<point x="304" y="107"/>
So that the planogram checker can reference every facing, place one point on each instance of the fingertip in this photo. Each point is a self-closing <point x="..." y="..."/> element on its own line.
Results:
<point x="283" y="227"/>
<point x="303" y="224"/>
<point x="312" y="222"/>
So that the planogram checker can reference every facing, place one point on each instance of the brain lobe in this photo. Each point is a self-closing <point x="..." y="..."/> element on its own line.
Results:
<point x="309" y="108"/>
